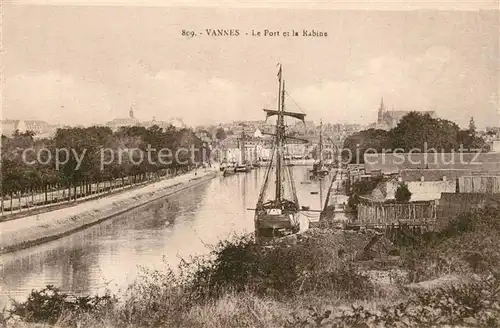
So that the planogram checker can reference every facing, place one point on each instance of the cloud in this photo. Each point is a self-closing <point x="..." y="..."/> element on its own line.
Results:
<point x="54" y="95"/>
<point x="196" y="99"/>
<point x="425" y="82"/>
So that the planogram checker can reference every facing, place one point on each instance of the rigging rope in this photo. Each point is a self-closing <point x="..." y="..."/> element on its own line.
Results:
<point x="295" y="102"/>
<point x="266" y="181"/>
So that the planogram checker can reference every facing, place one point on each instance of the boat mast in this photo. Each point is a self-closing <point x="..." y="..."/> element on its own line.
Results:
<point x="320" y="143"/>
<point x="279" y="135"/>
<point x="242" y="143"/>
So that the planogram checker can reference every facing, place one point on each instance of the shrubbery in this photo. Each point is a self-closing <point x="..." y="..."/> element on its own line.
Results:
<point x="50" y="305"/>
<point x="403" y="194"/>
<point x="469" y="244"/>
<point x="470" y="305"/>
<point x="360" y="188"/>
<point x="316" y="269"/>
<point x="163" y="297"/>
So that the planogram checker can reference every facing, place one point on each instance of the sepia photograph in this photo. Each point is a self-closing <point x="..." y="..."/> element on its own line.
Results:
<point x="241" y="164"/>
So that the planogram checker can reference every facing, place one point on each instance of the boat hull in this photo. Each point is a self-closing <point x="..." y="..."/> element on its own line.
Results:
<point x="228" y="172"/>
<point x="320" y="173"/>
<point x="269" y="227"/>
<point x="242" y="169"/>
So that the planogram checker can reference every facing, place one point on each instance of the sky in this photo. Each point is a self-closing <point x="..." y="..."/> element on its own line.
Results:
<point x="89" y="64"/>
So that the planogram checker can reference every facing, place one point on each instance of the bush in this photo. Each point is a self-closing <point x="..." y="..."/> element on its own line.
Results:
<point x="281" y="271"/>
<point x="403" y="194"/>
<point x="360" y="188"/>
<point x="239" y="266"/>
<point x="470" y="305"/>
<point x="467" y="245"/>
<point x="49" y="304"/>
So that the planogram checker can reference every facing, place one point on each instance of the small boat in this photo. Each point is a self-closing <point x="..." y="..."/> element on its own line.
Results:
<point x="320" y="169"/>
<point x="243" y="165"/>
<point x="314" y="192"/>
<point x="230" y="170"/>
<point x="242" y="168"/>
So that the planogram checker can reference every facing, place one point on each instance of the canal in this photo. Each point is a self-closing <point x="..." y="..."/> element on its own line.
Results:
<point x="110" y="255"/>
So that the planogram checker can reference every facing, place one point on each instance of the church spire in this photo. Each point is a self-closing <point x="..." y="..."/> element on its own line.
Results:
<point x="131" y="112"/>
<point x="381" y="111"/>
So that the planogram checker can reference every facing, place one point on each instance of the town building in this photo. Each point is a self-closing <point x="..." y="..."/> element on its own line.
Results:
<point x="11" y="126"/>
<point x="154" y="122"/>
<point x="118" y="123"/>
<point x="41" y="129"/>
<point x="131" y="120"/>
<point x="393" y="163"/>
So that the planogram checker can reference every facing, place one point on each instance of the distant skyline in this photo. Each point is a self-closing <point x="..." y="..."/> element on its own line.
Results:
<point x="89" y="64"/>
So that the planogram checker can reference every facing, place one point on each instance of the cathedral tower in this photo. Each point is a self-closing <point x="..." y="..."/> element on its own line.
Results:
<point x="381" y="111"/>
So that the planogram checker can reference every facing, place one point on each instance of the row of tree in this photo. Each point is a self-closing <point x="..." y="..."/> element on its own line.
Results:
<point x="76" y="156"/>
<point x="415" y="131"/>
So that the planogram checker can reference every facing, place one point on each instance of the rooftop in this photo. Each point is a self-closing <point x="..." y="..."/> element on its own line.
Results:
<point x="389" y="163"/>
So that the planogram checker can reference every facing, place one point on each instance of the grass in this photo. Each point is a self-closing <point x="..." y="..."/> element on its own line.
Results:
<point x="311" y="283"/>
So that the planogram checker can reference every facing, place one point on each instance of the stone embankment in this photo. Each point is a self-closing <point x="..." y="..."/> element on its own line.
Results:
<point x="36" y="229"/>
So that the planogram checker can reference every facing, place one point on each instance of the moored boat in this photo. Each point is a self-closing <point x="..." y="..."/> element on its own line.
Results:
<point x="279" y="216"/>
<point x="320" y="169"/>
<point x="229" y="170"/>
<point x="242" y="168"/>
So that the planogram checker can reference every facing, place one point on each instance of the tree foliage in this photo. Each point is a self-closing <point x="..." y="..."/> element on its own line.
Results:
<point x="415" y="131"/>
<point x="403" y="194"/>
<point x="357" y="144"/>
<point x="29" y="164"/>
<point x="220" y="134"/>
<point x="472" y="126"/>
<point x="360" y="188"/>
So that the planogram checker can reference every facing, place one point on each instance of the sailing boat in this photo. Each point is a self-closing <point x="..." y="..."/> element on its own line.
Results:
<point x="243" y="166"/>
<point x="319" y="169"/>
<point x="279" y="216"/>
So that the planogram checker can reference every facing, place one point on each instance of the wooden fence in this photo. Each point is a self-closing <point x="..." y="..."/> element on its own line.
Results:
<point x="382" y="214"/>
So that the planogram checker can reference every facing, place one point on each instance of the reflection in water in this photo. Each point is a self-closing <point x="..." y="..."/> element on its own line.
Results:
<point x="107" y="256"/>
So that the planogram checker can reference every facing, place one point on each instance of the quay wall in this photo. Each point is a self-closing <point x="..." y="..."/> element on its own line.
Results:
<point x="37" y="229"/>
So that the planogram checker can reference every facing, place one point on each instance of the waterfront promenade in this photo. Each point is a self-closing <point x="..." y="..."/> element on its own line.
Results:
<point x="35" y="229"/>
<point x="55" y="197"/>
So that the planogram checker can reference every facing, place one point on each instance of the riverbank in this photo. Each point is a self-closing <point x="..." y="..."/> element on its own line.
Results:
<point x="36" y="229"/>
<point x="329" y="278"/>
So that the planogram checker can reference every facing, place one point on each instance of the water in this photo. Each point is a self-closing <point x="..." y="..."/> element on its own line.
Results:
<point x="109" y="255"/>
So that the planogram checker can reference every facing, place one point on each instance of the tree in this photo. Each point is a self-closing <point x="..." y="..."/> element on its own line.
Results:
<point x="357" y="144"/>
<point x="422" y="132"/>
<point x="403" y="194"/>
<point x="472" y="127"/>
<point x="220" y="134"/>
<point x="470" y="140"/>
<point x="360" y="188"/>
